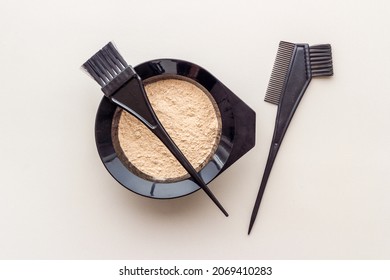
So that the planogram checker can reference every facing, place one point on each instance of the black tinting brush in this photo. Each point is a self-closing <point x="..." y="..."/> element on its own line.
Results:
<point x="124" y="87"/>
<point x="294" y="67"/>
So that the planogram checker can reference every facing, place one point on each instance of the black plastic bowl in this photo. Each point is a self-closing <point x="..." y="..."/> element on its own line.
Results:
<point x="237" y="136"/>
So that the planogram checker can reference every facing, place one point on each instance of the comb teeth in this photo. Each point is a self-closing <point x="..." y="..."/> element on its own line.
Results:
<point x="105" y="65"/>
<point x="279" y="72"/>
<point x="321" y="60"/>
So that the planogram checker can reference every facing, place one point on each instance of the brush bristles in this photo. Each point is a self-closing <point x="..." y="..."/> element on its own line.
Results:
<point x="279" y="72"/>
<point x="321" y="60"/>
<point x="105" y="65"/>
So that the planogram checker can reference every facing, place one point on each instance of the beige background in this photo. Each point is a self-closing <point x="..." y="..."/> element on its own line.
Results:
<point x="329" y="192"/>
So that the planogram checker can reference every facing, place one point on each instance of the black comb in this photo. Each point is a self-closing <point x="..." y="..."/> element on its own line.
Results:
<point x="124" y="87"/>
<point x="294" y="67"/>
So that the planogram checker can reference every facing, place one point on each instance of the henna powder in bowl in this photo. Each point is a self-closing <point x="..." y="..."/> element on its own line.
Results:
<point x="191" y="117"/>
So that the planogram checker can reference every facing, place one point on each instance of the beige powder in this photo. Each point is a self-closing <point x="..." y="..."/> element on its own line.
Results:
<point x="189" y="115"/>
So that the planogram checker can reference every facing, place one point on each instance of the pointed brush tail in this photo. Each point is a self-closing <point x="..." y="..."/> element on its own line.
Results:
<point x="267" y="171"/>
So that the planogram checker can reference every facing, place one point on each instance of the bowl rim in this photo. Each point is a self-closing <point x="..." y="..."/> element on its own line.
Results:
<point x="165" y="190"/>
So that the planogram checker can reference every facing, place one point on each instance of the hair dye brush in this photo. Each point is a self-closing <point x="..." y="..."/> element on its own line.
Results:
<point x="294" y="67"/>
<point x="123" y="86"/>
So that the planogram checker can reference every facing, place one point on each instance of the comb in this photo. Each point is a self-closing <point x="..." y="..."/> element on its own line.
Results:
<point x="294" y="67"/>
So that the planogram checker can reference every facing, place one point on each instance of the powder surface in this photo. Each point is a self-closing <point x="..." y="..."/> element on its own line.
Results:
<point x="189" y="115"/>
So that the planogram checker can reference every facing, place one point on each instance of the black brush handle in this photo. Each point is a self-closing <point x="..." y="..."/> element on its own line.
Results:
<point x="273" y="151"/>
<point x="161" y="133"/>
<point x="296" y="83"/>
<point x="132" y="98"/>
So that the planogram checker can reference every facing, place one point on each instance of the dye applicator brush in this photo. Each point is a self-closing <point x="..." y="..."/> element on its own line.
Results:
<point x="294" y="67"/>
<point x="123" y="86"/>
